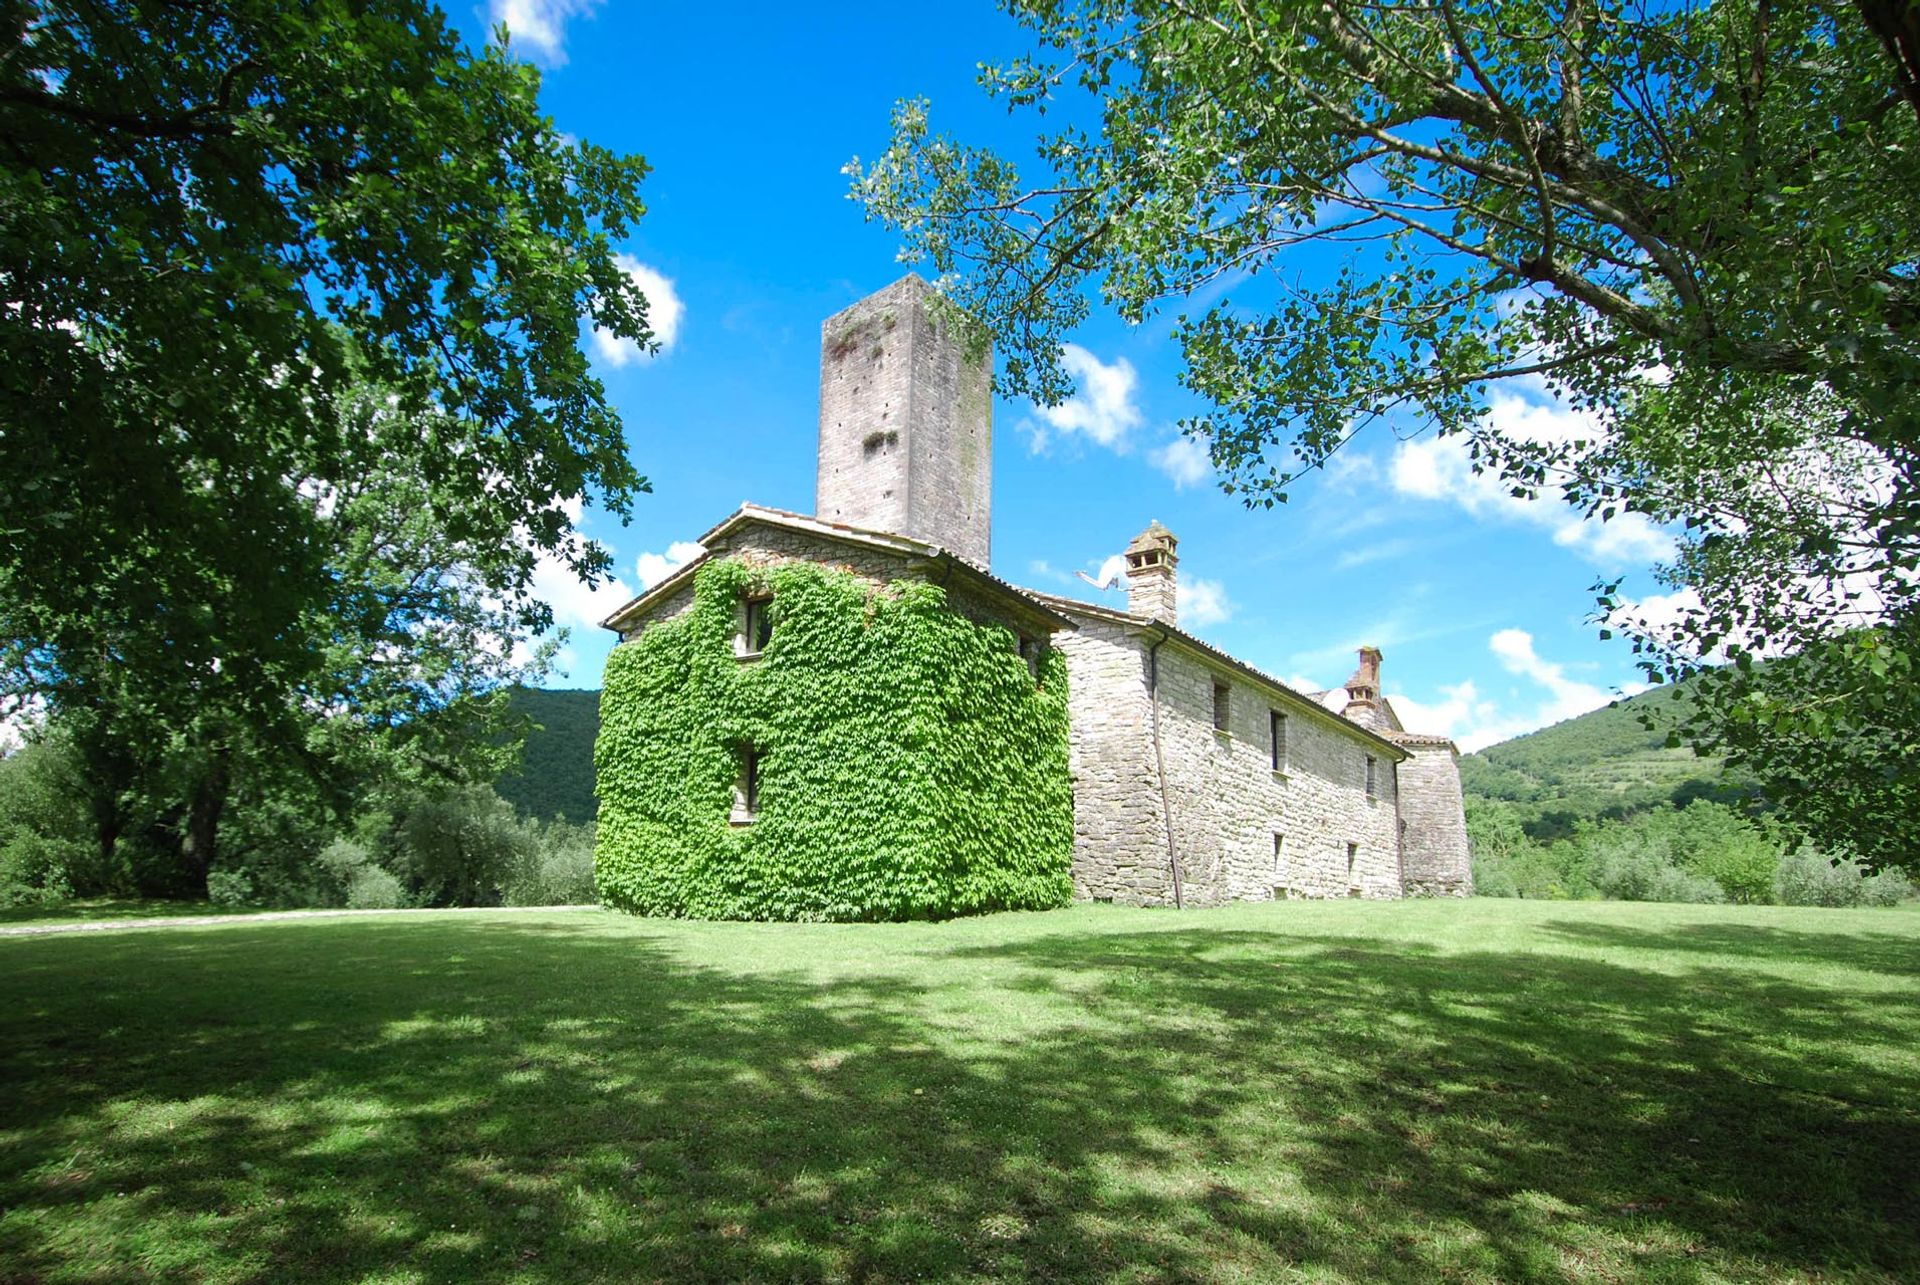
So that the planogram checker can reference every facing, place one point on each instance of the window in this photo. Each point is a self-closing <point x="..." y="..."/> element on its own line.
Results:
<point x="756" y="626"/>
<point x="1031" y="649"/>
<point x="1279" y="855"/>
<point x="1373" y="778"/>
<point x="1353" y="854"/>
<point x="1220" y="702"/>
<point x="746" y="787"/>
<point x="1277" y="738"/>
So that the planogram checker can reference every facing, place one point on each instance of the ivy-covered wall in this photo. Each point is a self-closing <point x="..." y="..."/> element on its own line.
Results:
<point x="909" y="764"/>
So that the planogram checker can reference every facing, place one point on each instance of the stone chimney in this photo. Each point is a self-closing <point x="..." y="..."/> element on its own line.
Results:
<point x="1363" y="689"/>
<point x="1151" y="584"/>
<point x="906" y="422"/>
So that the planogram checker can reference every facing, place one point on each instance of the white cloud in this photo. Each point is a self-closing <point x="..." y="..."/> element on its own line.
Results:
<point x="664" y="313"/>
<point x="1658" y="614"/>
<point x="652" y="568"/>
<point x="1184" y="460"/>
<point x="1378" y="551"/>
<point x="1475" y="720"/>
<point x="1513" y="648"/>
<point x="1462" y="713"/>
<point x="1440" y="468"/>
<point x="575" y="603"/>
<point x="1202" y="602"/>
<point x="539" y="26"/>
<point x="1104" y="407"/>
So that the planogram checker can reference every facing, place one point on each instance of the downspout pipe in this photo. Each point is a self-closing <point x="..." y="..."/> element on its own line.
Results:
<point x="1160" y="765"/>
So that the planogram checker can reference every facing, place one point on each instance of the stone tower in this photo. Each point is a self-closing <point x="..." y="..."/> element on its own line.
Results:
<point x="1152" y="587"/>
<point x="906" y="422"/>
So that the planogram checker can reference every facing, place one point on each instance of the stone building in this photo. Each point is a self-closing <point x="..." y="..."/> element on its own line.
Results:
<point x="1196" y="779"/>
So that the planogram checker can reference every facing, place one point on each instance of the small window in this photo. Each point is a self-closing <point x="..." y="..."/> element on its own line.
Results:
<point x="1353" y="855"/>
<point x="757" y="630"/>
<point x="1221" y="699"/>
<point x="746" y="787"/>
<point x="1279" y="855"/>
<point x="1031" y="650"/>
<point x="1373" y="778"/>
<point x="1277" y="739"/>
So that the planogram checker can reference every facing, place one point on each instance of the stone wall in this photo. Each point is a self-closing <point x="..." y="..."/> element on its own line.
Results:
<point x="1434" y="842"/>
<point x="677" y="603"/>
<point x="768" y="545"/>
<point x="1227" y="802"/>
<point x="1119" y="840"/>
<point x="906" y="423"/>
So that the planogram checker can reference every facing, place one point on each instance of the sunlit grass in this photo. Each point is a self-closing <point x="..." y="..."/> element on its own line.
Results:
<point x="1417" y="1091"/>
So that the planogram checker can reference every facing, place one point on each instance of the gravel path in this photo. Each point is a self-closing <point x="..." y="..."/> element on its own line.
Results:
<point x="209" y="921"/>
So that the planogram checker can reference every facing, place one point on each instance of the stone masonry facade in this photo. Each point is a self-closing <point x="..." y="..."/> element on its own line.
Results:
<point x="1240" y="829"/>
<point x="1198" y="780"/>
<point x="1434" y="851"/>
<point x="906" y="423"/>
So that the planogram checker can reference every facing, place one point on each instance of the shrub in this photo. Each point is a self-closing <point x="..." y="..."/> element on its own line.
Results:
<point x="1493" y="876"/>
<point x="1628" y="871"/>
<point x="47" y="851"/>
<point x="371" y="888"/>
<point x="558" y="871"/>
<point x="1887" y="888"/>
<point x="462" y="848"/>
<point x="33" y="870"/>
<point x="229" y="887"/>
<point x="1810" y="878"/>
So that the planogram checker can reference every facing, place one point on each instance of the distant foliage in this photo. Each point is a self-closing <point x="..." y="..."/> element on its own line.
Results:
<point x="554" y="781"/>
<point x="910" y="764"/>
<point x="44" y="853"/>
<point x="1704" y="852"/>
<point x="456" y="846"/>
<point x="557" y="869"/>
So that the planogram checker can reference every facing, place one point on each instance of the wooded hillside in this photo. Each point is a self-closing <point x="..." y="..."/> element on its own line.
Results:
<point x="1607" y="763"/>
<point x="555" y="780"/>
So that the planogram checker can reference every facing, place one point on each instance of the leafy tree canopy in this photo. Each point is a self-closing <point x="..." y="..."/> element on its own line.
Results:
<point x="1697" y="222"/>
<point x="215" y="219"/>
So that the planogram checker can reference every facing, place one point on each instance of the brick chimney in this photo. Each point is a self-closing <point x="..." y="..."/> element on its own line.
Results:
<point x="1363" y="689"/>
<point x="1151" y="587"/>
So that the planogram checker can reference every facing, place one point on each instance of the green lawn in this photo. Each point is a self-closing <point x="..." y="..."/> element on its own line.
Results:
<point x="96" y="910"/>
<point x="1346" y="1091"/>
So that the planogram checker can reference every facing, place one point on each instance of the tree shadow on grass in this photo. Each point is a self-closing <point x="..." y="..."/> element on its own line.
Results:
<point x="1875" y="952"/>
<point x="1545" y="1117"/>
<point x="470" y="1101"/>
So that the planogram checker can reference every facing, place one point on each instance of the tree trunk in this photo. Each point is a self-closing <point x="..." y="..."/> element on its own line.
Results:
<point x="202" y="832"/>
<point x="1897" y="23"/>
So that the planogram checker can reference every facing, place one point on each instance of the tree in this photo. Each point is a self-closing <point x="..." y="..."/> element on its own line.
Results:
<point x="1698" y="223"/>
<point x="215" y="220"/>
<point x="395" y="675"/>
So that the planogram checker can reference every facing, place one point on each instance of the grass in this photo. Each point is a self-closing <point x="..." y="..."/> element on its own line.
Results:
<point x="98" y="909"/>
<point x="1320" y="1092"/>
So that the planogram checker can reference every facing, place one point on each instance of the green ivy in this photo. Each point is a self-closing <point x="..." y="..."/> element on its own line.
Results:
<point x="910" y="766"/>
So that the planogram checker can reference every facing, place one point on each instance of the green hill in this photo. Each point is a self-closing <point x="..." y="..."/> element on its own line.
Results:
<point x="555" y="780"/>
<point x="1607" y="763"/>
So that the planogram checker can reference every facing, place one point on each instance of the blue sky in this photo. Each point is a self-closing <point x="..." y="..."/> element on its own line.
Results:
<point x="1480" y="602"/>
